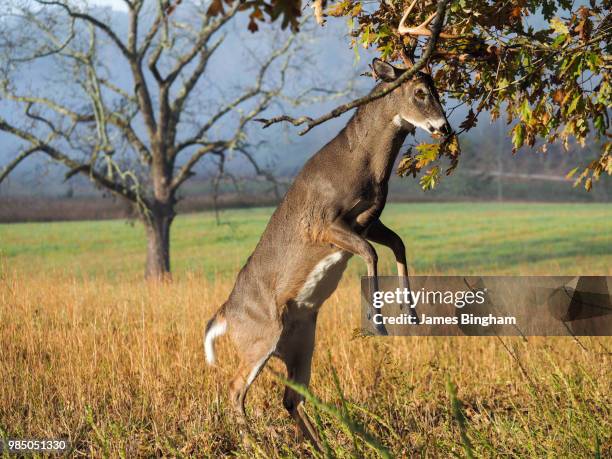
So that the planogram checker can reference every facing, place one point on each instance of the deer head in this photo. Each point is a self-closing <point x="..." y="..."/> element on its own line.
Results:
<point x="416" y="100"/>
<point x="419" y="104"/>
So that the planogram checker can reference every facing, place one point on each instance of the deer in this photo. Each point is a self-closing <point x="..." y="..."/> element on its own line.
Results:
<point x="330" y="213"/>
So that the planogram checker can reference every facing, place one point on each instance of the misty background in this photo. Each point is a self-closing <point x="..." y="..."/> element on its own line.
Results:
<point x="488" y="170"/>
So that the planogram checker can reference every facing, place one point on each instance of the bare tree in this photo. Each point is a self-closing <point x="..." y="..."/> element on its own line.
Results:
<point x="143" y="140"/>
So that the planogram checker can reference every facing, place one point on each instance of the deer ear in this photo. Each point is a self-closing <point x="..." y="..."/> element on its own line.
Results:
<point x="385" y="71"/>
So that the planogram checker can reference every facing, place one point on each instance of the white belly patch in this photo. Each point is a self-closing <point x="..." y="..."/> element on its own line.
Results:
<point x="323" y="280"/>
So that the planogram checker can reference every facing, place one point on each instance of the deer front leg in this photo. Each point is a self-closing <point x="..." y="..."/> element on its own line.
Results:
<point x="379" y="233"/>
<point x="343" y="236"/>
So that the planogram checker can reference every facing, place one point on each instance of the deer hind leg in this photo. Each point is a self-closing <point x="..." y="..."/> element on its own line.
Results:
<point x="296" y="351"/>
<point x="299" y="372"/>
<point x="247" y="372"/>
<point x="254" y="353"/>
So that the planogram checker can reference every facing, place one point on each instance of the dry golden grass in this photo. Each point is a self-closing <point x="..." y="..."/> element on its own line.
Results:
<point x="118" y="367"/>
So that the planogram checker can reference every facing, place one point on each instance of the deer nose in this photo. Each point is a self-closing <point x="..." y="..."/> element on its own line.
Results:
<point x="444" y="129"/>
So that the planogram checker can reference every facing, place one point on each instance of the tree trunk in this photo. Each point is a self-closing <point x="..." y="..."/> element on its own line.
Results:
<point x="160" y="212"/>
<point x="157" y="225"/>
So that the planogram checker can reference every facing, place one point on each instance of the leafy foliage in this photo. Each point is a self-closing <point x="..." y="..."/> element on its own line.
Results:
<point x="287" y="11"/>
<point x="428" y="153"/>
<point x="543" y="64"/>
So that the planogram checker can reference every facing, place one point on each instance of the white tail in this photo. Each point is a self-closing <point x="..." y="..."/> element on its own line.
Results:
<point x="216" y="327"/>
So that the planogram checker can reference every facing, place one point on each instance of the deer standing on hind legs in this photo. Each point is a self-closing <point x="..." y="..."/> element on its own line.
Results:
<point x="331" y="212"/>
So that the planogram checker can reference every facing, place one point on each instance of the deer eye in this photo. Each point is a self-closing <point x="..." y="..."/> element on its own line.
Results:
<point x="420" y="93"/>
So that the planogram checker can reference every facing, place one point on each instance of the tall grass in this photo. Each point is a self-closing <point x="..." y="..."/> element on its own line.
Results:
<point x="90" y="352"/>
<point x="117" y="367"/>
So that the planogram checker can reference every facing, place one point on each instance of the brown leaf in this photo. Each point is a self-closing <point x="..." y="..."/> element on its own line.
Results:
<point x="253" y="27"/>
<point x="516" y="13"/>
<point x="558" y="96"/>
<point x="215" y="8"/>
<point x="469" y="122"/>
<point x="583" y="29"/>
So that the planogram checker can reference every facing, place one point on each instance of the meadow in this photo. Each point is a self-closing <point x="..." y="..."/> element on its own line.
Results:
<point x="91" y="352"/>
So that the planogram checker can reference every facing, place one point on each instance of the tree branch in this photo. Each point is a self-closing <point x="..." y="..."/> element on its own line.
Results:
<point x="190" y="83"/>
<point x="185" y="172"/>
<point x="266" y="174"/>
<point x="114" y="118"/>
<point x="383" y="91"/>
<point x="85" y="169"/>
<point x="92" y="20"/>
<point x="141" y="88"/>
<point x="248" y="94"/>
<point x="144" y="47"/>
<point x="15" y="162"/>
<point x="58" y="108"/>
<point x="200" y="43"/>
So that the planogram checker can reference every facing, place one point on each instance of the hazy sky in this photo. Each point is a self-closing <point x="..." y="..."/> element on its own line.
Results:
<point x="115" y="4"/>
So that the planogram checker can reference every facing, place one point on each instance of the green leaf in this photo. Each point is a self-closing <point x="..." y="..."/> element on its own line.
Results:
<point x="430" y="179"/>
<point x="356" y="51"/>
<point x="557" y="42"/>
<point x="594" y="61"/>
<point x="559" y="26"/>
<point x="600" y="124"/>
<point x="571" y="173"/>
<point x="574" y="104"/>
<point x="427" y="152"/>
<point x="502" y="84"/>
<point x="525" y="110"/>
<point x="518" y="136"/>
<point x="383" y="32"/>
<point x="386" y="51"/>
<point x="365" y="37"/>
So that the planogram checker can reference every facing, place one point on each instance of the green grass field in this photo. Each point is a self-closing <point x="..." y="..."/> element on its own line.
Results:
<point x="91" y="352"/>
<point x="464" y="238"/>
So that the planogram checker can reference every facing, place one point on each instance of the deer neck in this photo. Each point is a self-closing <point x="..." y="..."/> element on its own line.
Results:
<point x="375" y="137"/>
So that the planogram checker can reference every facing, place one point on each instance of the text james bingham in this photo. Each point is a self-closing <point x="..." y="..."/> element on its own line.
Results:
<point x="459" y="299"/>
<point x="463" y="319"/>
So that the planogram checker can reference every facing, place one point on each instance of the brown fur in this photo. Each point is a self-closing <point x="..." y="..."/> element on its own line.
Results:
<point x="334" y="204"/>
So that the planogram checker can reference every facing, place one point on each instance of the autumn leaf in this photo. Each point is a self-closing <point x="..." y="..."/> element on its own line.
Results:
<point x="518" y="136"/>
<point x="559" y="26"/>
<point x="571" y="173"/>
<point x="469" y="122"/>
<point x="558" y="96"/>
<point x="339" y="9"/>
<point x="451" y="146"/>
<point x="427" y="153"/>
<point x="215" y="8"/>
<point x="516" y="13"/>
<point x="430" y="178"/>
<point x="549" y="77"/>
<point x="253" y="27"/>
<point x="406" y="165"/>
<point x="583" y="29"/>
